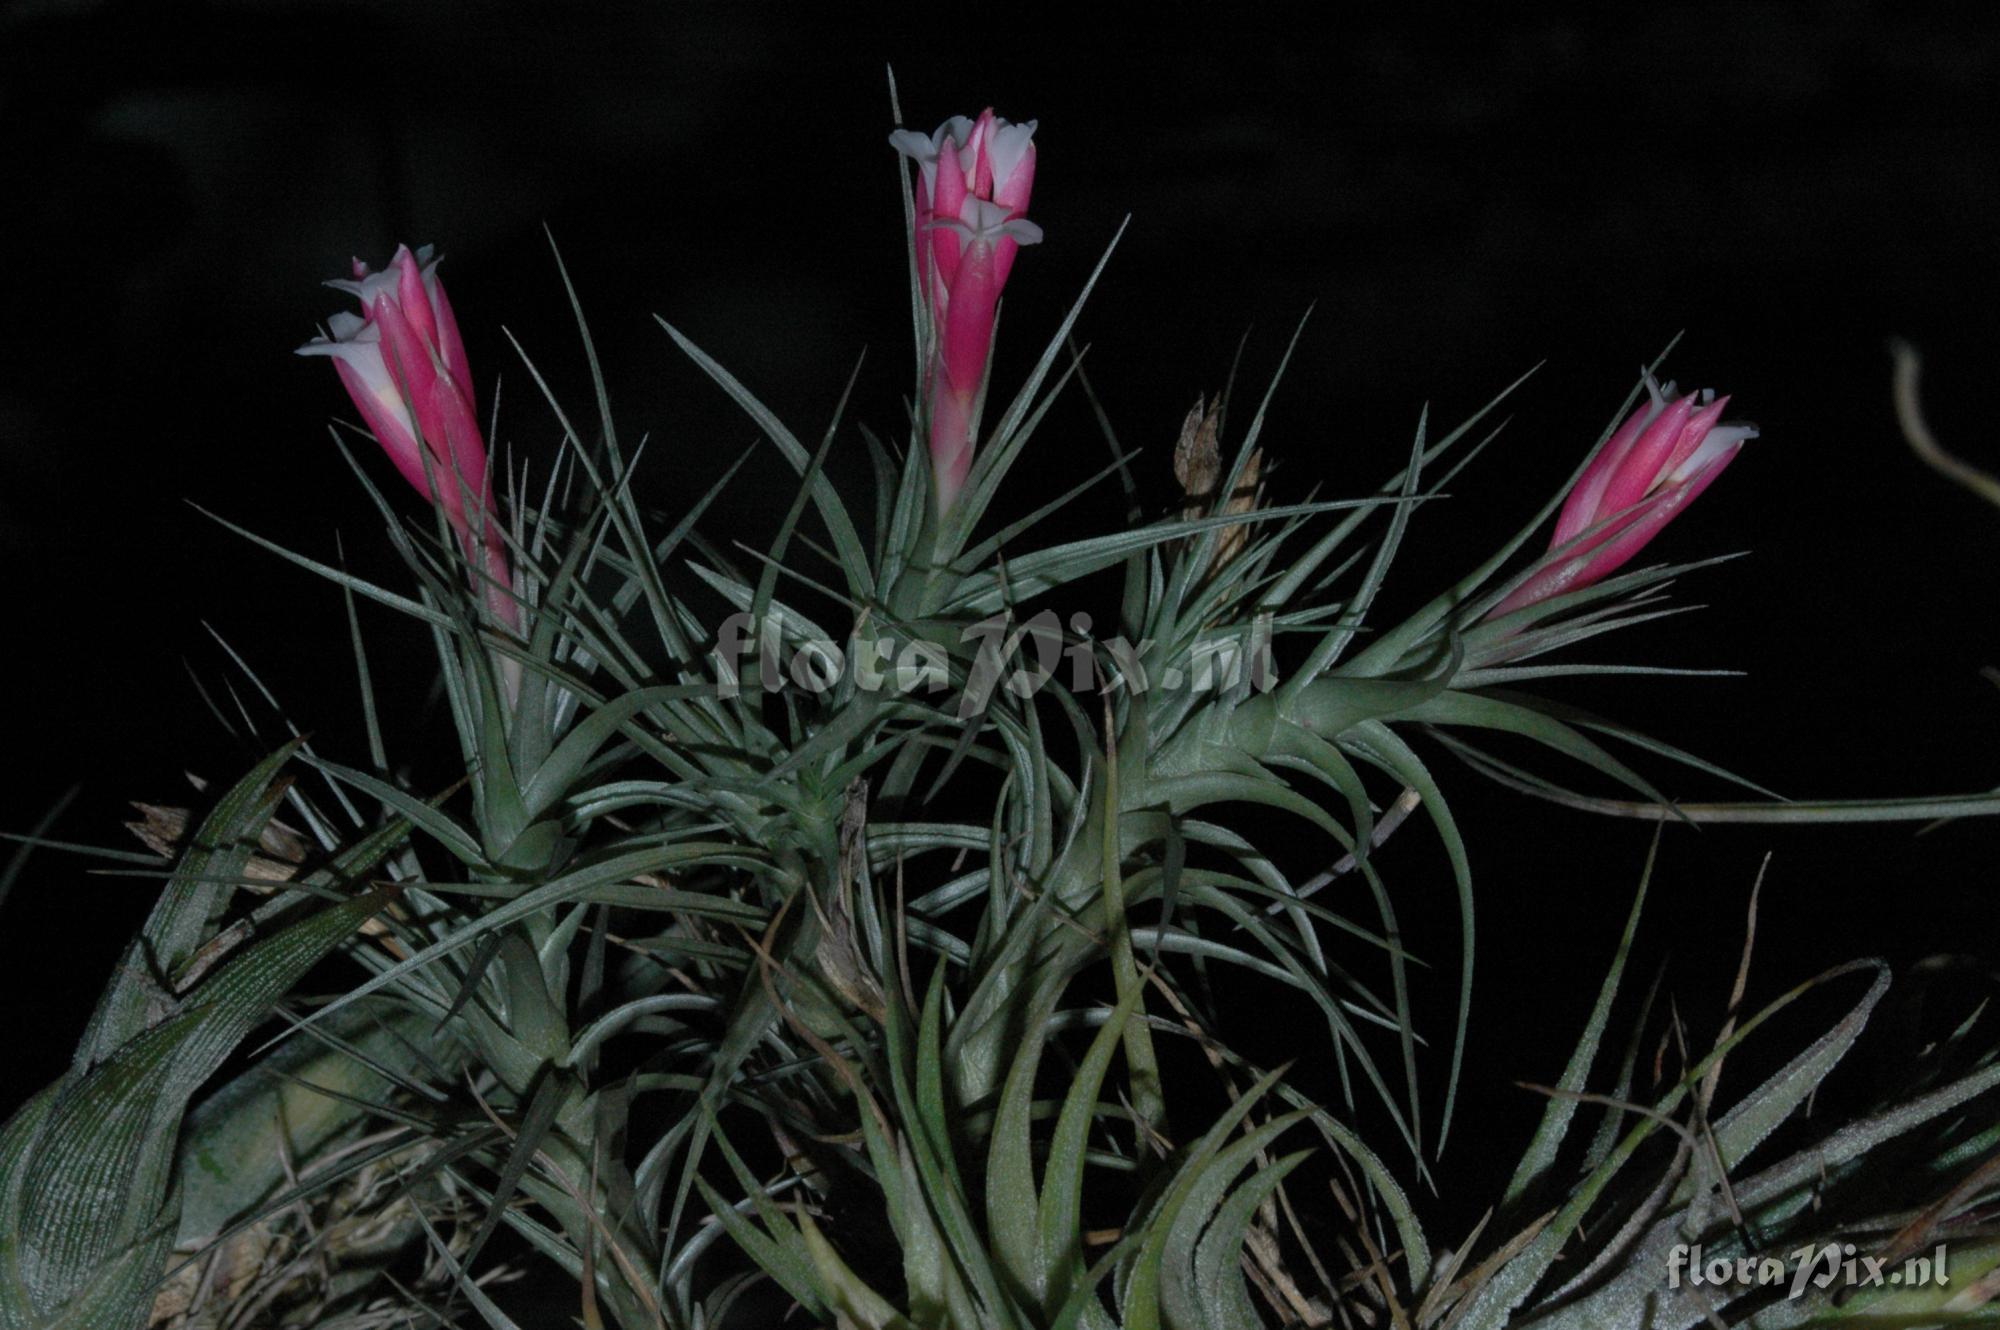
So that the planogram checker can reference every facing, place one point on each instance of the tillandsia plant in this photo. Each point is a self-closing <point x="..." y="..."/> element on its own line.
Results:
<point x="881" y="973"/>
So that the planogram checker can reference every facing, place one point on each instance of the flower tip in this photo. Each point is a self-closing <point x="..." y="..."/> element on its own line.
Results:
<point x="910" y="143"/>
<point x="1022" y="231"/>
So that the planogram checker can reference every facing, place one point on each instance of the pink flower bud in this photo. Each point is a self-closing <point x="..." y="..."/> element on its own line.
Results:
<point x="1666" y="453"/>
<point x="972" y="187"/>
<point x="403" y="362"/>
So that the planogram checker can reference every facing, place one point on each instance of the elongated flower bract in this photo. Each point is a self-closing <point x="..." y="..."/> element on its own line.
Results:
<point x="403" y="363"/>
<point x="971" y="194"/>
<point x="1650" y="469"/>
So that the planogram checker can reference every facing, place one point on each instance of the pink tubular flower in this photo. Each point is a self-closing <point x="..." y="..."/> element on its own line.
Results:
<point x="973" y="179"/>
<point x="403" y="363"/>
<point x="1667" y="452"/>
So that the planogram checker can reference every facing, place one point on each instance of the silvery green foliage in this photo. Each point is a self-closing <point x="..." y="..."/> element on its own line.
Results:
<point x="681" y="969"/>
<point x="1676" y="1173"/>
<point x="89" y="1199"/>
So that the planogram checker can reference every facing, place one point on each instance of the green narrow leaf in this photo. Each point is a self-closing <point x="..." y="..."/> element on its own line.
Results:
<point x="1219" y="1293"/>
<point x="1180" y="1299"/>
<point x="846" y="540"/>
<point x="1059" y="1213"/>
<point x="1493" y="1304"/>
<point x="844" y="1290"/>
<point x="1388" y="747"/>
<point x="793" y="1271"/>
<point x="489" y="1311"/>
<point x="1139" y="1297"/>
<point x="990" y="464"/>
<point x="427" y="817"/>
<point x="933" y="1114"/>
<point x="1142" y="1065"/>
<point x="536" y="1122"/>
<point x="1328" y="651"/>
<point x="187" y="912"/>
<point x="1562" y="1106"/>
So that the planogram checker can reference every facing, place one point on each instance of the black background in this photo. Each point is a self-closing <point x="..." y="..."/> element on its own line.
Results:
<point x="1459" y="193"/>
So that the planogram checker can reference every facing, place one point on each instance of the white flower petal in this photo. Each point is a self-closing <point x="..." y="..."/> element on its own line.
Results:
<point x="365" y="289"/>
<point x="348" y="327"/>
<point x="983" y="219"/>
<point x="923" y="150"/>
<point x="912" y="144"/>
<point x="982" y="215"/>
<point x="1662" y="395"/>
<point x="1716" y="442"/>
<point x="1022" y="231"/>
<point x="348" y="337"/>
<point x="1009" y="144"/>
<point x="364" y="358"/>
<point x="958" y="129"/>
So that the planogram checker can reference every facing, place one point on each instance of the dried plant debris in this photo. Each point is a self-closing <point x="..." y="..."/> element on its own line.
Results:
<point x="321" y="1262"/>
<point x="1198" y="467"/>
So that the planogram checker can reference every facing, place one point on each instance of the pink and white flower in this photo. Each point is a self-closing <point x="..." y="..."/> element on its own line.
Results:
<point x="403" y="363"/>
<point x="971" y="194"/>
<point x="1650" y="469"/>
